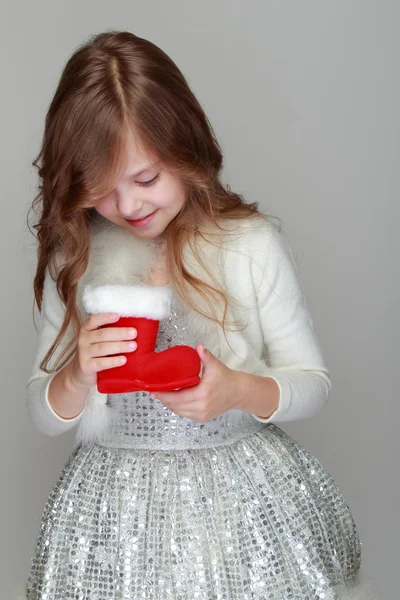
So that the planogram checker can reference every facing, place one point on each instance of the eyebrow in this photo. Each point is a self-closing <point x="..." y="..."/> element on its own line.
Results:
<point x="142" y="170"/>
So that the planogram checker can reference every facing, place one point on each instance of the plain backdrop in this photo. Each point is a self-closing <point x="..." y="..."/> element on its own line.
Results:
<point x="304" y="99"/>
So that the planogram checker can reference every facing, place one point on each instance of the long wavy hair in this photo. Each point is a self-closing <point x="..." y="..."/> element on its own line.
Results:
<point x="113" y="86"/>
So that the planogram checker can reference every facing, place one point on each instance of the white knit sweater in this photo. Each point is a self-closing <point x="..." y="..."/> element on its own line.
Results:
<point x="258" y="268"/>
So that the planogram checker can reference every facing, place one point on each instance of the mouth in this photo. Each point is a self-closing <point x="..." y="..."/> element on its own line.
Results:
<point x="144" y="221"/>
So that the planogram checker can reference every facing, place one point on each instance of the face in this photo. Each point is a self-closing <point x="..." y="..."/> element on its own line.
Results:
<point x="144" y="187"/>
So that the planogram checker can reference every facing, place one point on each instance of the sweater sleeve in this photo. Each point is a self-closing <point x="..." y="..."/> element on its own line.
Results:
<point x="293" y="353"/>
<point x="45" y="419"/>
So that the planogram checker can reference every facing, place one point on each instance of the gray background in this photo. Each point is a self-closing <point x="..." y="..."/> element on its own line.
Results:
<point x="304" y="98"/>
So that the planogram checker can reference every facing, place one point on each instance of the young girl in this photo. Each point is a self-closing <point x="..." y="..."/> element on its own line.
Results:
<point x="181" y="484"/>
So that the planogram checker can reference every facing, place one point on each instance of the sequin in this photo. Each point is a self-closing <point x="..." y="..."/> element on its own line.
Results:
<point x="167" y="508"/>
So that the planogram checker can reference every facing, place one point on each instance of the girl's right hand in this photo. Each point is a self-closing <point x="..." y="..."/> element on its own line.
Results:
<point x="94" y="346"/>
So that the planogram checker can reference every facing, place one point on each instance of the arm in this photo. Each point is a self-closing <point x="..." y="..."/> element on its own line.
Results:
<point x="257" y="394"/>
<point x="295" y="362"/>
<point x="40" y="410"/>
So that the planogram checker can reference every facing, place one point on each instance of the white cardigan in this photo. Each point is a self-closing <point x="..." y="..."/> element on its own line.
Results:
<point x="257" y="267"/>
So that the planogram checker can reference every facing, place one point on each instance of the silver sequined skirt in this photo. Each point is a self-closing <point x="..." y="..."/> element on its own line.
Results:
<point x="256" y="519"/>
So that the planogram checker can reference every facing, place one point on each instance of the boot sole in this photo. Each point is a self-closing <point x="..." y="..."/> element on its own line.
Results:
<point x="136" y="385"/>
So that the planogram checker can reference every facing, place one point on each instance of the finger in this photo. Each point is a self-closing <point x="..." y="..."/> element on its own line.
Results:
<point x="169" y="397"/>
<point x="96" y="320"/>
<point x="108" y="362"/>
<point x="188" y="394"/>
<point x="113" y="334"/>
<point x="166" y="395"/>
<point x="192" y="415"/>
<point x="193" y="408"/>
<point x="111" y="348"/>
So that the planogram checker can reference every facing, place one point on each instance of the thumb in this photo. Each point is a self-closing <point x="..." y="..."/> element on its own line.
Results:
<point x="202" y="352"/>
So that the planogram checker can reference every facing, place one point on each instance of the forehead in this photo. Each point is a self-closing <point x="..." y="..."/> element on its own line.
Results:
<point x="135" y="159"/>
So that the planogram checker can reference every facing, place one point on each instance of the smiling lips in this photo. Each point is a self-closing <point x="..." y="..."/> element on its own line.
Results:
<point x="143" y="220"/>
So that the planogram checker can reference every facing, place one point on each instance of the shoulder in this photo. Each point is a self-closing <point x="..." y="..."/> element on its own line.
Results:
<point x="268" y="253"/>
<point x="260" y="232"/>
<point x="255" y="237"/>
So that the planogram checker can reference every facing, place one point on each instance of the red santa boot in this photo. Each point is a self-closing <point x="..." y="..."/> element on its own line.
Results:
<point x="142" y="307"/>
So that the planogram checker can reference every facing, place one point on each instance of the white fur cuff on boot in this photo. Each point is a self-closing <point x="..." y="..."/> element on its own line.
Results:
<point x="150" y="301"/>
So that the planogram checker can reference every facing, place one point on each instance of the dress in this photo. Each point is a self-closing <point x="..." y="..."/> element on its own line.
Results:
<point x="170" y="508"/>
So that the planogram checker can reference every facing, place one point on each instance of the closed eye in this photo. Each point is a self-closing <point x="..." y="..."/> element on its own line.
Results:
<point x="150" y="181"/>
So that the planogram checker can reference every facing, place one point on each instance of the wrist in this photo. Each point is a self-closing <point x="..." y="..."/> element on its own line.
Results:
<point x="64" y="397"/>
<point x="257" y="394"/>
<point x="71" y="384"/>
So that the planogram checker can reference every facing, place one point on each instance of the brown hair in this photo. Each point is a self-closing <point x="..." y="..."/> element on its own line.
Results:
<point x="115" y="85"/>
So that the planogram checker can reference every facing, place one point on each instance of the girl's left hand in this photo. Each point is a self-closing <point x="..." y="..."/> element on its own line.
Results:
<point x="216" y="393"/>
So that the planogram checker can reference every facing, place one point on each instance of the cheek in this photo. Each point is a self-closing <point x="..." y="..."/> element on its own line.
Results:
<point x="180" y="194"/>
<point x="164" y="196"/>
<point x="171" y="191"/>
<point x="104" y="207"/>
<point x="175" y="195"/>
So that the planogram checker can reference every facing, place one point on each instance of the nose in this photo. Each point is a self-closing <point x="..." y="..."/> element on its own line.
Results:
<point x="128" y="206"/>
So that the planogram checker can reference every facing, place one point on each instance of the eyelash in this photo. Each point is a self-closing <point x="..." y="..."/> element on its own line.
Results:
<point x="150" y="182"/>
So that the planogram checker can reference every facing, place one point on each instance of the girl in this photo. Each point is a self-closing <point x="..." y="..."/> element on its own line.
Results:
<point x="181" y="484"/>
